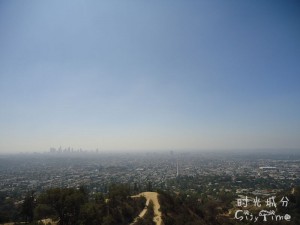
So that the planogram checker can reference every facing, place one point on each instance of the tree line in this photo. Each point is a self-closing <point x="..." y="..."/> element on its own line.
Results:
<point x="71" y="206"/>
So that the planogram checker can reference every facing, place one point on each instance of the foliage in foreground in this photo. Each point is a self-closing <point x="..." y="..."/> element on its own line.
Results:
<point x="75" y="206"/>
<point x="70" y="206"/>
<point x="180" y="209"/>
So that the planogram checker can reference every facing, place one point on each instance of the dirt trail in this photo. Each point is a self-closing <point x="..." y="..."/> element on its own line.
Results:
<point x="46" y="221"/>
<point x="151" y="196"/>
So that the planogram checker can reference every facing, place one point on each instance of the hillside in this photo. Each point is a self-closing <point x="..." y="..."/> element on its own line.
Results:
<point x="69" y="206"/>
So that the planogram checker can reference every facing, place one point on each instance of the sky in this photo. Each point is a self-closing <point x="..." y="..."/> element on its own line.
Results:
<point x="149" y="75"/>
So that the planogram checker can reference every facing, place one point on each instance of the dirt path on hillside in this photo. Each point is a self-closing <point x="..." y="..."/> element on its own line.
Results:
<point x="46" y="221"/>
<point x="151" y="196"/>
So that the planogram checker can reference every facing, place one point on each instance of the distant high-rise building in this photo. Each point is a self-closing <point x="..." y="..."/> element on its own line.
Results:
<point x="52" y="150"/>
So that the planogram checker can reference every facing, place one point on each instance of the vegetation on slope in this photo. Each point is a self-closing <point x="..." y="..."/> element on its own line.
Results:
<point x="69" y="206"/>
<point x="148" y="218"/>
<point x="179" y="209"/>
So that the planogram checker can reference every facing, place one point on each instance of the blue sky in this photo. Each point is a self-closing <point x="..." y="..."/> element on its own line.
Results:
<point x="149" y="75"/>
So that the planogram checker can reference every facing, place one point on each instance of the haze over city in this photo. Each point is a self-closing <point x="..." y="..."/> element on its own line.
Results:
<point x="149" y="75"/>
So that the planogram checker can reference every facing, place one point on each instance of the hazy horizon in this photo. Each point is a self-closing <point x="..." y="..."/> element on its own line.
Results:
<point x="93" y="152"/>
<point x="140" y="75"/>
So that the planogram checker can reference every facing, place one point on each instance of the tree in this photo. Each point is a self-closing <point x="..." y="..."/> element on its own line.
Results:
<point x="28" y="207"/>
<point x="91" y="213"/>
<point x="135" y="187"/>
<point x="149" y="186"/>
<point x="43" y="211"/>
<point x="108" y="220"/>
<point x="8" y="210"/>
<point x="66" y="203"/>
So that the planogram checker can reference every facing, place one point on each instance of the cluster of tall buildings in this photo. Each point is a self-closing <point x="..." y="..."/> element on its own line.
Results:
<point x="71" y="150"/>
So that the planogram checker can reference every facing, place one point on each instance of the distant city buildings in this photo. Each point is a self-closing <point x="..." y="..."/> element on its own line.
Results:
<point x="66" y="167"/>
<point x="71" y="150"/>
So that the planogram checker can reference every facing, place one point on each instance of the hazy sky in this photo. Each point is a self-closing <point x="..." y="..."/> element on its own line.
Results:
<point x="149" y="75"/>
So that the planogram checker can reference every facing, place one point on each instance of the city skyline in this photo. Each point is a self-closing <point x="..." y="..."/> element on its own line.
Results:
<point x="138" y="75"/>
